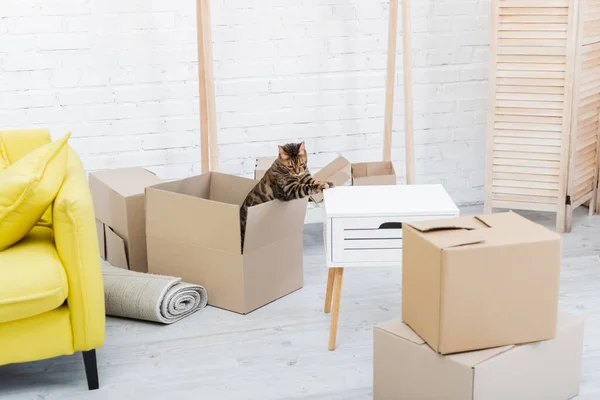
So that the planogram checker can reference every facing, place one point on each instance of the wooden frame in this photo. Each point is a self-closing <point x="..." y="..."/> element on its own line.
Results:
<point x="544" y="95"/>
<point x="206" y="82"/>
<point x="389" y="87"/>
<point x="208" y="124"/>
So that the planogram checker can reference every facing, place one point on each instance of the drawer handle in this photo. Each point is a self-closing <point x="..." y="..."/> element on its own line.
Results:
<point x="391" y="225"/>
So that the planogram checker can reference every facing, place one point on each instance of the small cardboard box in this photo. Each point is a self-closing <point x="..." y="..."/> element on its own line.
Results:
<point x="373" y="173"/>
<point x="262" y="165"/>
<point x="405" y="368"/>
<point x="338" y="171"/>
<point x="118" y="197"/>
<point x="477" y="282"/>
<point x="193" y="231"/>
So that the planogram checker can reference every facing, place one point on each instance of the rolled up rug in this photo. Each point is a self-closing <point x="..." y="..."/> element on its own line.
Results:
<point x="149" y="297"/>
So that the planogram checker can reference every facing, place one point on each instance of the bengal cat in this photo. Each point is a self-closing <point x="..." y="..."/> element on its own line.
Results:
<point x="287" y="179"/>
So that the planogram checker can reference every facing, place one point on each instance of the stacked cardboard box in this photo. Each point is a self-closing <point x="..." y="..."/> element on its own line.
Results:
<point x="118" y="197"/>
<point x="479" y="315"/>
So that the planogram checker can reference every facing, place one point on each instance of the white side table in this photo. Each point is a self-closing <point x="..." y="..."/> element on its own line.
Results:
<point x="363" y="228"/>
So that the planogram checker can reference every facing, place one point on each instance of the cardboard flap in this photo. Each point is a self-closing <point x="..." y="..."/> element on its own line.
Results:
<point x="459" y="238"/>
<point x="273" y="221"/>
<point x="473" y="358"/>
<point x="101" y="239"/>
<point x="445" y="224"/>
<point x="115" y="249"/>
<point x="127" y="181"/>
<point x="230" y="189"/>
<point x="398" y="328"/>
<point x="179" y="217"/>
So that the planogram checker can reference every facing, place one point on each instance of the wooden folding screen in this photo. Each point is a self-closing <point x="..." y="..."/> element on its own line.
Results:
<point x="542" y="138"/>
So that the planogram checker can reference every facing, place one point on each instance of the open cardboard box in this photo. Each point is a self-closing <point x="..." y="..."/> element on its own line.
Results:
<point x="406" y="368"/>
<point x="472" y="283"/>
<point x="118" y="197"/>
<point x="193" y="231"/>
<point x="373" y="173"/>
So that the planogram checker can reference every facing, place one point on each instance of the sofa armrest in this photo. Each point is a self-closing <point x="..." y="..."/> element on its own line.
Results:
<point x="77" y="245"/>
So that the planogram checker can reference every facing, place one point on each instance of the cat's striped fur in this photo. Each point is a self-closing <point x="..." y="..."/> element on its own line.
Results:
<point x="287" y="179"/>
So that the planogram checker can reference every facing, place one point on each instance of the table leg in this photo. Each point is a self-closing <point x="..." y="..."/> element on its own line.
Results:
<point x="337" y="294"/>
<point x="330" y="279"/>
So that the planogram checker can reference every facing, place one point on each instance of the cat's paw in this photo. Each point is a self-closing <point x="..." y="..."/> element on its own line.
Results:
<point x="331" y="184"/>
<point x="323" y="185"/>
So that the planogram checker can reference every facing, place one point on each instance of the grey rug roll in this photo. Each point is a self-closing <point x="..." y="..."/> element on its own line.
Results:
<point x="149" y="297"/>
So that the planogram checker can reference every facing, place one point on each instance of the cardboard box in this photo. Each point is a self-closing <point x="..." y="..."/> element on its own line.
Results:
<point x="476" y="282"/>
<point x="405" y="368"/>
<point x="262" y="165"/>
<point x="118" y="197"/>
<point x="193" y="231"/>
<point x="373" y="173"/>
<point x="338" y="171"/>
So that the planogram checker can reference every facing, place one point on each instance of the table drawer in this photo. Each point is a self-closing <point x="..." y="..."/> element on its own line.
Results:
<point x="369" y="240"/>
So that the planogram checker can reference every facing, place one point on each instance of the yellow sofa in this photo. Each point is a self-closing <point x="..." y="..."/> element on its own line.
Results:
<point x="51" y="292"/>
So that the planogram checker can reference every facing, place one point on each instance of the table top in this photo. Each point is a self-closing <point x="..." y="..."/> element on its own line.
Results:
<point x="390" y="200"/>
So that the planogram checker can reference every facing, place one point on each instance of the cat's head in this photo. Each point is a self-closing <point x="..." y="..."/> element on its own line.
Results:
<point x="293" y="157"/>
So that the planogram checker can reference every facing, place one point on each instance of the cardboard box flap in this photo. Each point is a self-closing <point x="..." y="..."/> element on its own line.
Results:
<point x="337" y="171"/>
<point x="116" y="253"/>
<point x="473" y="358"/>
<point x="264" y="163"/>
<point x="230" y="189"/>
<point x="468" y="223"/>
<point x="209" y="223"/>
<point x="196" y="186"/>
<point x="398" y="328"/>
<point x="127" y="181"/>
<point x="273" y="221"/>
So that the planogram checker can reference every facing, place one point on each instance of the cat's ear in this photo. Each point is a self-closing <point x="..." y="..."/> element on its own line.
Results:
<point x="282" y="153"/>
<point x="302" y="149"/>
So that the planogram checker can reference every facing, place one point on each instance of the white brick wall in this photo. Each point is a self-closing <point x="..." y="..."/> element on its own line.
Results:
<point x="122" y="76"/>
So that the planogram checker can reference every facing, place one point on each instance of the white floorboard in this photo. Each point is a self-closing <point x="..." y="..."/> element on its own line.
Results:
<point x="280" y="351"/>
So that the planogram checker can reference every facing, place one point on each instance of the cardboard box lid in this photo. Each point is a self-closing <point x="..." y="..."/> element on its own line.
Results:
<point x="472" y="358"/>
<point x="492" y="230"/>
<point x="127" y="181"/>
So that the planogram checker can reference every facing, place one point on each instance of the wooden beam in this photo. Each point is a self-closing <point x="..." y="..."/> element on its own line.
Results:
<point x="491" y="117"/>
<point x="408" y="92"/>
<point x="390" y="81"/>
<point x="206" y="83"/>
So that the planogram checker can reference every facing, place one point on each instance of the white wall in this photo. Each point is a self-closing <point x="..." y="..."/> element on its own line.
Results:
<point x="122" y="76"/>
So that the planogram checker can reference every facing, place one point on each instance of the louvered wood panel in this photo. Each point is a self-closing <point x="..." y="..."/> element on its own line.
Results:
<point x="583" y="171"/>
<point x="544" y="87"/>
<point x="525" y="127"/>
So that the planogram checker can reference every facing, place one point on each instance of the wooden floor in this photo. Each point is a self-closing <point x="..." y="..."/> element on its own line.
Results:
<point x="280" y="351"/>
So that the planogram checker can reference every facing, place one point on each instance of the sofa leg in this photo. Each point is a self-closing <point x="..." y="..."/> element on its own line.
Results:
<point x="91" y="369"/>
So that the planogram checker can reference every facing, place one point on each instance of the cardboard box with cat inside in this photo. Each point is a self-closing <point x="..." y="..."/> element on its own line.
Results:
<point x="193" y="231"/>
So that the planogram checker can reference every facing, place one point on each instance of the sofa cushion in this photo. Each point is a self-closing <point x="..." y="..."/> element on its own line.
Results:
<point x="17" y="143"/>
<point x="32" y="278"/>
<point x="28" y="187"/>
